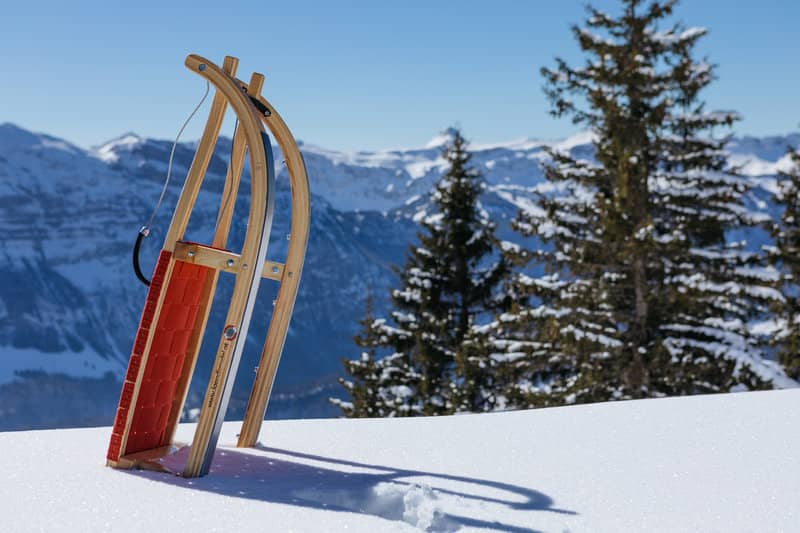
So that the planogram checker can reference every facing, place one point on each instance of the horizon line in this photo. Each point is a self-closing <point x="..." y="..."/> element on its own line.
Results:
<point x="427" y="145"/>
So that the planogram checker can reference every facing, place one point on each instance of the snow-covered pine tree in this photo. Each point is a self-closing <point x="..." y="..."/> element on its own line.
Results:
<point x="477" y="387"/>
<point x="449" y="281"/>
<point x="379" y="387"/>
<point x="787" y="255"/>
<point x="362" y="387"/>
<point x="641" y="294"/>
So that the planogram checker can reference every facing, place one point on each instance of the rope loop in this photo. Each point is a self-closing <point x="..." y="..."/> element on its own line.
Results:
<point x="144" y="231"/>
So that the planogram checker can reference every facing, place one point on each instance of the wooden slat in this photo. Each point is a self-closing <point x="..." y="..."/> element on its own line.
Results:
<point x="202" y="255"/>
<point x="148" y="459"/>
<point x="272" y="270"/>
<point x="223" y="260"/>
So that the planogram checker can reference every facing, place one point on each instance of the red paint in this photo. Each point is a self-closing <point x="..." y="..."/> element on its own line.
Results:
<point x="167" y="352"/>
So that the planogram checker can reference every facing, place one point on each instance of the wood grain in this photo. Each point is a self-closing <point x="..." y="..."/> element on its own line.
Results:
<point x="290" y="279"/>
<point x="247" y="280"/>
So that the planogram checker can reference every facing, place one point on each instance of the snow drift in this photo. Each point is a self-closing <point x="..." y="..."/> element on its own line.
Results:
<point x="704" y="463"/>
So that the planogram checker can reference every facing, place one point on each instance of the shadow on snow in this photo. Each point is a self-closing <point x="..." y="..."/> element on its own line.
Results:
<point x="281" y="476"/>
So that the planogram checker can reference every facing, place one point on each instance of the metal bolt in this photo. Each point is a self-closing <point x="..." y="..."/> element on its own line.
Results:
<point x="275" y="270"/>
<point x="230" y="262"/>
<point x="202" y="67"/>
<point x="230" y="332"/>
<point x="190" y="253"/>
<point x="244" y="266"/>
<point x="288" y="236"/>
<point x="291" y="274"/>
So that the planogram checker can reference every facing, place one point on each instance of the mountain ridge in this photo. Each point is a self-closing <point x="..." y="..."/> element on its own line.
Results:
<point x="70" y="303"/>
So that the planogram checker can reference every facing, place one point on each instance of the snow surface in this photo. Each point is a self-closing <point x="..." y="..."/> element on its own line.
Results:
<point x="706" y="463"/>
<point x="86" y="363"/>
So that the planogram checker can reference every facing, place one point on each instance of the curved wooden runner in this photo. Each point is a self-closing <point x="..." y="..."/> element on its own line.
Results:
<point x="290" y="278"/>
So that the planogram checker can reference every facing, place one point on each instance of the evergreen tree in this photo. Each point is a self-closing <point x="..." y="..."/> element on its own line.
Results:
<point x="449" y="282"/>
<point x="365" y="400"/>
<point x="787" y="255"/>
<point x="477" y="383"/>
<point x="379" y="387"/>
<point x="640" y="293"/>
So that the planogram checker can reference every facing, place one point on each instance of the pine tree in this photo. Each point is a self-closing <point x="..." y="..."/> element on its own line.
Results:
<point x="365" y="400"/>
<point x="477" y="383"/>
<point x="448" y="284"/>
<point x="787" y="241"/>
<point x="640" y="293"/>
<point x="379" y="387"/>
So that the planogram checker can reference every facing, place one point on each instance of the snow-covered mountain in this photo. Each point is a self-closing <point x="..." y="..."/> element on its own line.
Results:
<point x="721" y="463"/>
<point x="69" y="303"/>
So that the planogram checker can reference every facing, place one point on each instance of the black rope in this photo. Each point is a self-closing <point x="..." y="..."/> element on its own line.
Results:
<point x="144" y="232"/>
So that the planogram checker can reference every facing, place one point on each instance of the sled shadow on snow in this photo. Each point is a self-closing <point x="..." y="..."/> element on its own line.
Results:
<point x="423" y="499"/>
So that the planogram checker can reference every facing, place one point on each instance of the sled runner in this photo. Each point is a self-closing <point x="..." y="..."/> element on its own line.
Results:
<point x="181" y="291"/>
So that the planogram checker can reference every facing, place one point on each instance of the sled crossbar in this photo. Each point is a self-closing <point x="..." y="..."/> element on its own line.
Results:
<point x="178" y="302"/>
<point x="224" y="260"/>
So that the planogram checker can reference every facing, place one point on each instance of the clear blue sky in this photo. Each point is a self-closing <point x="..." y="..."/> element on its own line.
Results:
<point x="356" y="75"/>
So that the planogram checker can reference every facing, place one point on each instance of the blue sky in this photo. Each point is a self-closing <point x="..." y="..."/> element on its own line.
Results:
<point x="357" y="75"/>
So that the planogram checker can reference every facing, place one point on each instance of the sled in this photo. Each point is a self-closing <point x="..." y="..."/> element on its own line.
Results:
<point x="181" y="291"/>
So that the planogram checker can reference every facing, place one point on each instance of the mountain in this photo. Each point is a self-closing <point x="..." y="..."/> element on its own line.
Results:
<point x="70" y="304"/>
<point x="718" y="463"/>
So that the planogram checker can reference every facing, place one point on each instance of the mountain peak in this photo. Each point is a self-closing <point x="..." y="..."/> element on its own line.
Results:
<point x="10" y="126"/>
<point x="443" y="138"/>
<point x="126" y="138"/>
<point x="12" y="135"/>
<point x="17" y="138"/>
<point x="582" y="137"/>
<point x="108" y="151"/>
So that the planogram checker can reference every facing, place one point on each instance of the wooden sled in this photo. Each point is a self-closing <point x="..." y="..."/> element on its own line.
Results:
<point x="179" y="299"/>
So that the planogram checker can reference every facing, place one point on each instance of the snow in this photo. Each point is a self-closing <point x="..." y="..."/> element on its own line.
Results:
<point x="706" y="463"/>
<point x="596" y="39"/>
<point x="579" y="139"/>
<point x="751" y="165"/>
<point x="109" y="152"/>
<point x="669" y="37"/>
<point x="768" y="327"/>
<point x="86" y="363"/>
<point x="508" y="246"/>
<point x="442" y="139"/>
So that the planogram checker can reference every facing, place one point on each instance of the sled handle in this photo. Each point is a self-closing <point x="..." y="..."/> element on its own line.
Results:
<point x="143" y="232"/>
